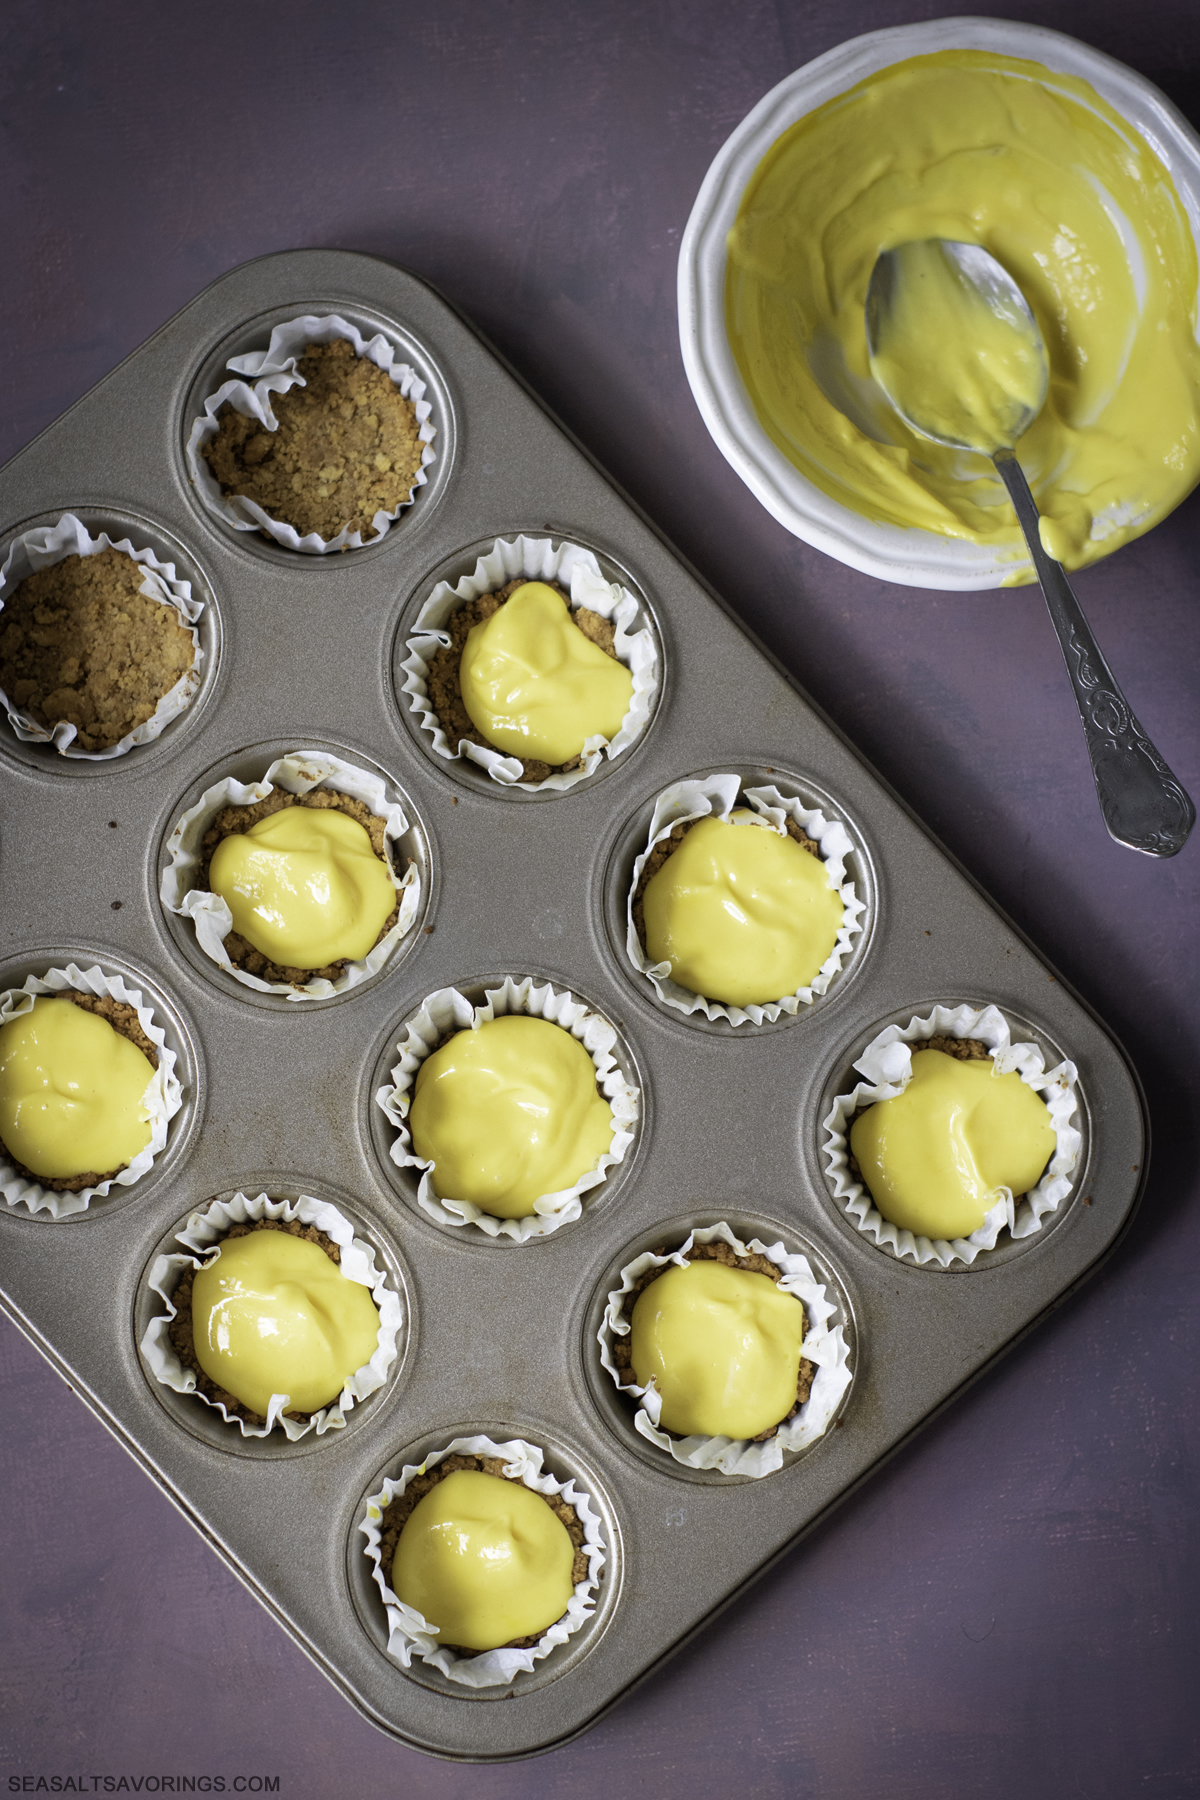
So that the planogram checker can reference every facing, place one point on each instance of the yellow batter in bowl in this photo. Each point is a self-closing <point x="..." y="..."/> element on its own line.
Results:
<point x="981" y="148"/>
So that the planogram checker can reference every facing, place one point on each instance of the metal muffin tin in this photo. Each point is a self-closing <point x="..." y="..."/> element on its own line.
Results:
<point x="500" y="1337"/>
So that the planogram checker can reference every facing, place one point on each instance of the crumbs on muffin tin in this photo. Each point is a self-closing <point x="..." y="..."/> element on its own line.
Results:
<point x="348" y="446"/>
<point x="80" y="643"/>
<point x="445" y="690"/>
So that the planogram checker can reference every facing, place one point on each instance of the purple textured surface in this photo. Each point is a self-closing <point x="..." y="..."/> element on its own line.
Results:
<point x="1012" y="1604"/>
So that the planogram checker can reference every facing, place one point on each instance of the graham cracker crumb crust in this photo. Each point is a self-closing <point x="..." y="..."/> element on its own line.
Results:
<point x="398" y="1512"/>
<point x="666" y="848"/>
<point x="717" y="1251"/>
<point x="80" y="643"/>
<point x="444" y="688"/>
<point x="961" y="1049"/>
<point x="233" y="821"/>
<point x="123" y="1019"/>
<point x="348" y="446"/>
<point x="180" y="1329"/>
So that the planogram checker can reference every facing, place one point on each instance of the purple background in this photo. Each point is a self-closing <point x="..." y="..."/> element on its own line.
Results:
<point x="1012" y="1605"/>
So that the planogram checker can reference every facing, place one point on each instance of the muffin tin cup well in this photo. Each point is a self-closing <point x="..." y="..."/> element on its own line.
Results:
<point x="274" y="371"/>
<point x="574" y="568"/>
<point x="162" y="1100"/>
<point x="886" y="1062"/>
<point x="451" y="1009"/>
<point x="43" y="547"/>
<point x="824" y="1345"/>
<point x="201" y="1236"/>
<point x="717" y="795"/>
<point x="409" y="1634"/>
<point x="299" y="772"/>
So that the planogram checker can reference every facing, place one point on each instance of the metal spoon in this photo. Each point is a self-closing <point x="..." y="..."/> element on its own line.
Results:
<point x="1142" y="803"/>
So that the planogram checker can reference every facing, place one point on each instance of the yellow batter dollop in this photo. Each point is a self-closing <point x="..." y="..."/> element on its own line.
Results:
<point x="741" y="913"/>
<point x="935" y="1157"/>
<point x="534" y="685"/>
<point x="273" y="1315"/>
<point x="1040" y="171"/>
<point x="508" y="1112"/>
<point x="304" y="887"/>
<point x="722" y="1346"/>
<point x="72" y="1092"/>
<point x="484" y="1561"/>
<point x="958" y="367"/>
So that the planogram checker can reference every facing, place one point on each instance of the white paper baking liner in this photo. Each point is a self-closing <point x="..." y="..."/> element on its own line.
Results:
<point x="449" y="1010"/>
<point x="163" y="1097"/>
<point x="410" y="1634"/>
<point x="203" y="1231"/>
<point x="887" y="1064"/>
<point x="576" y="570"/>
<point x="273" y="371"/>
<point x="686" y="801"/>
<point x="824" y="1345"/>
<point x="49" y="544"/>
<point x="297" y="773"/>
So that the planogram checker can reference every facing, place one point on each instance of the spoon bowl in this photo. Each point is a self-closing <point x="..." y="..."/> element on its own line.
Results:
<point x="988" y="382"/>
<point x="954" y="346"/>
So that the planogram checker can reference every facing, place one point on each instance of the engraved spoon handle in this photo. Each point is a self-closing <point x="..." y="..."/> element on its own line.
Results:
<point x="1142" y="803"/>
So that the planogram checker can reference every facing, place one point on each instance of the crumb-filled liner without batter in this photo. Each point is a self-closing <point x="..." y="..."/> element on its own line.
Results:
<point x="824" y="1346"/>
<point x="163" y="1097"/>
<point x="48" y="545"/>
<point x="887" y="1065"/>
<point x="449" y="1011"/>
<point x="574" y="569"/>
<point x="274" y="371"/>
<point x="409" y="1634"/>
<point x="202" y="1235"/>
<point x="298" y="773"/>
<point x="682" y="804"/>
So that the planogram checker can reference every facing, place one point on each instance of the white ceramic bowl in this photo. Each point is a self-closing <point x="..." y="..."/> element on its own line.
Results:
<point x="913" y="557"/>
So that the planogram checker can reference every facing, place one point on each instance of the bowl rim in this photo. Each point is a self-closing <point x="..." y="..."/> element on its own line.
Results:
<point x="909" y="556"/>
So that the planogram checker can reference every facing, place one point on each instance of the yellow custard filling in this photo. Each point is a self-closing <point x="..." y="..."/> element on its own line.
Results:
<point x="935" y="1157"/>
<point x="741" y="913"/>
<point x="72" y="1092"/>
<point x="304" y="887"/>
<point x="273" y="1315"/>
<point x="722" y="1346"/>
<point x="508" y="1112"/>
<point x="534" y="685"/>
<point x="484" y="1561"/>
<point x="1039" y="170"/>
